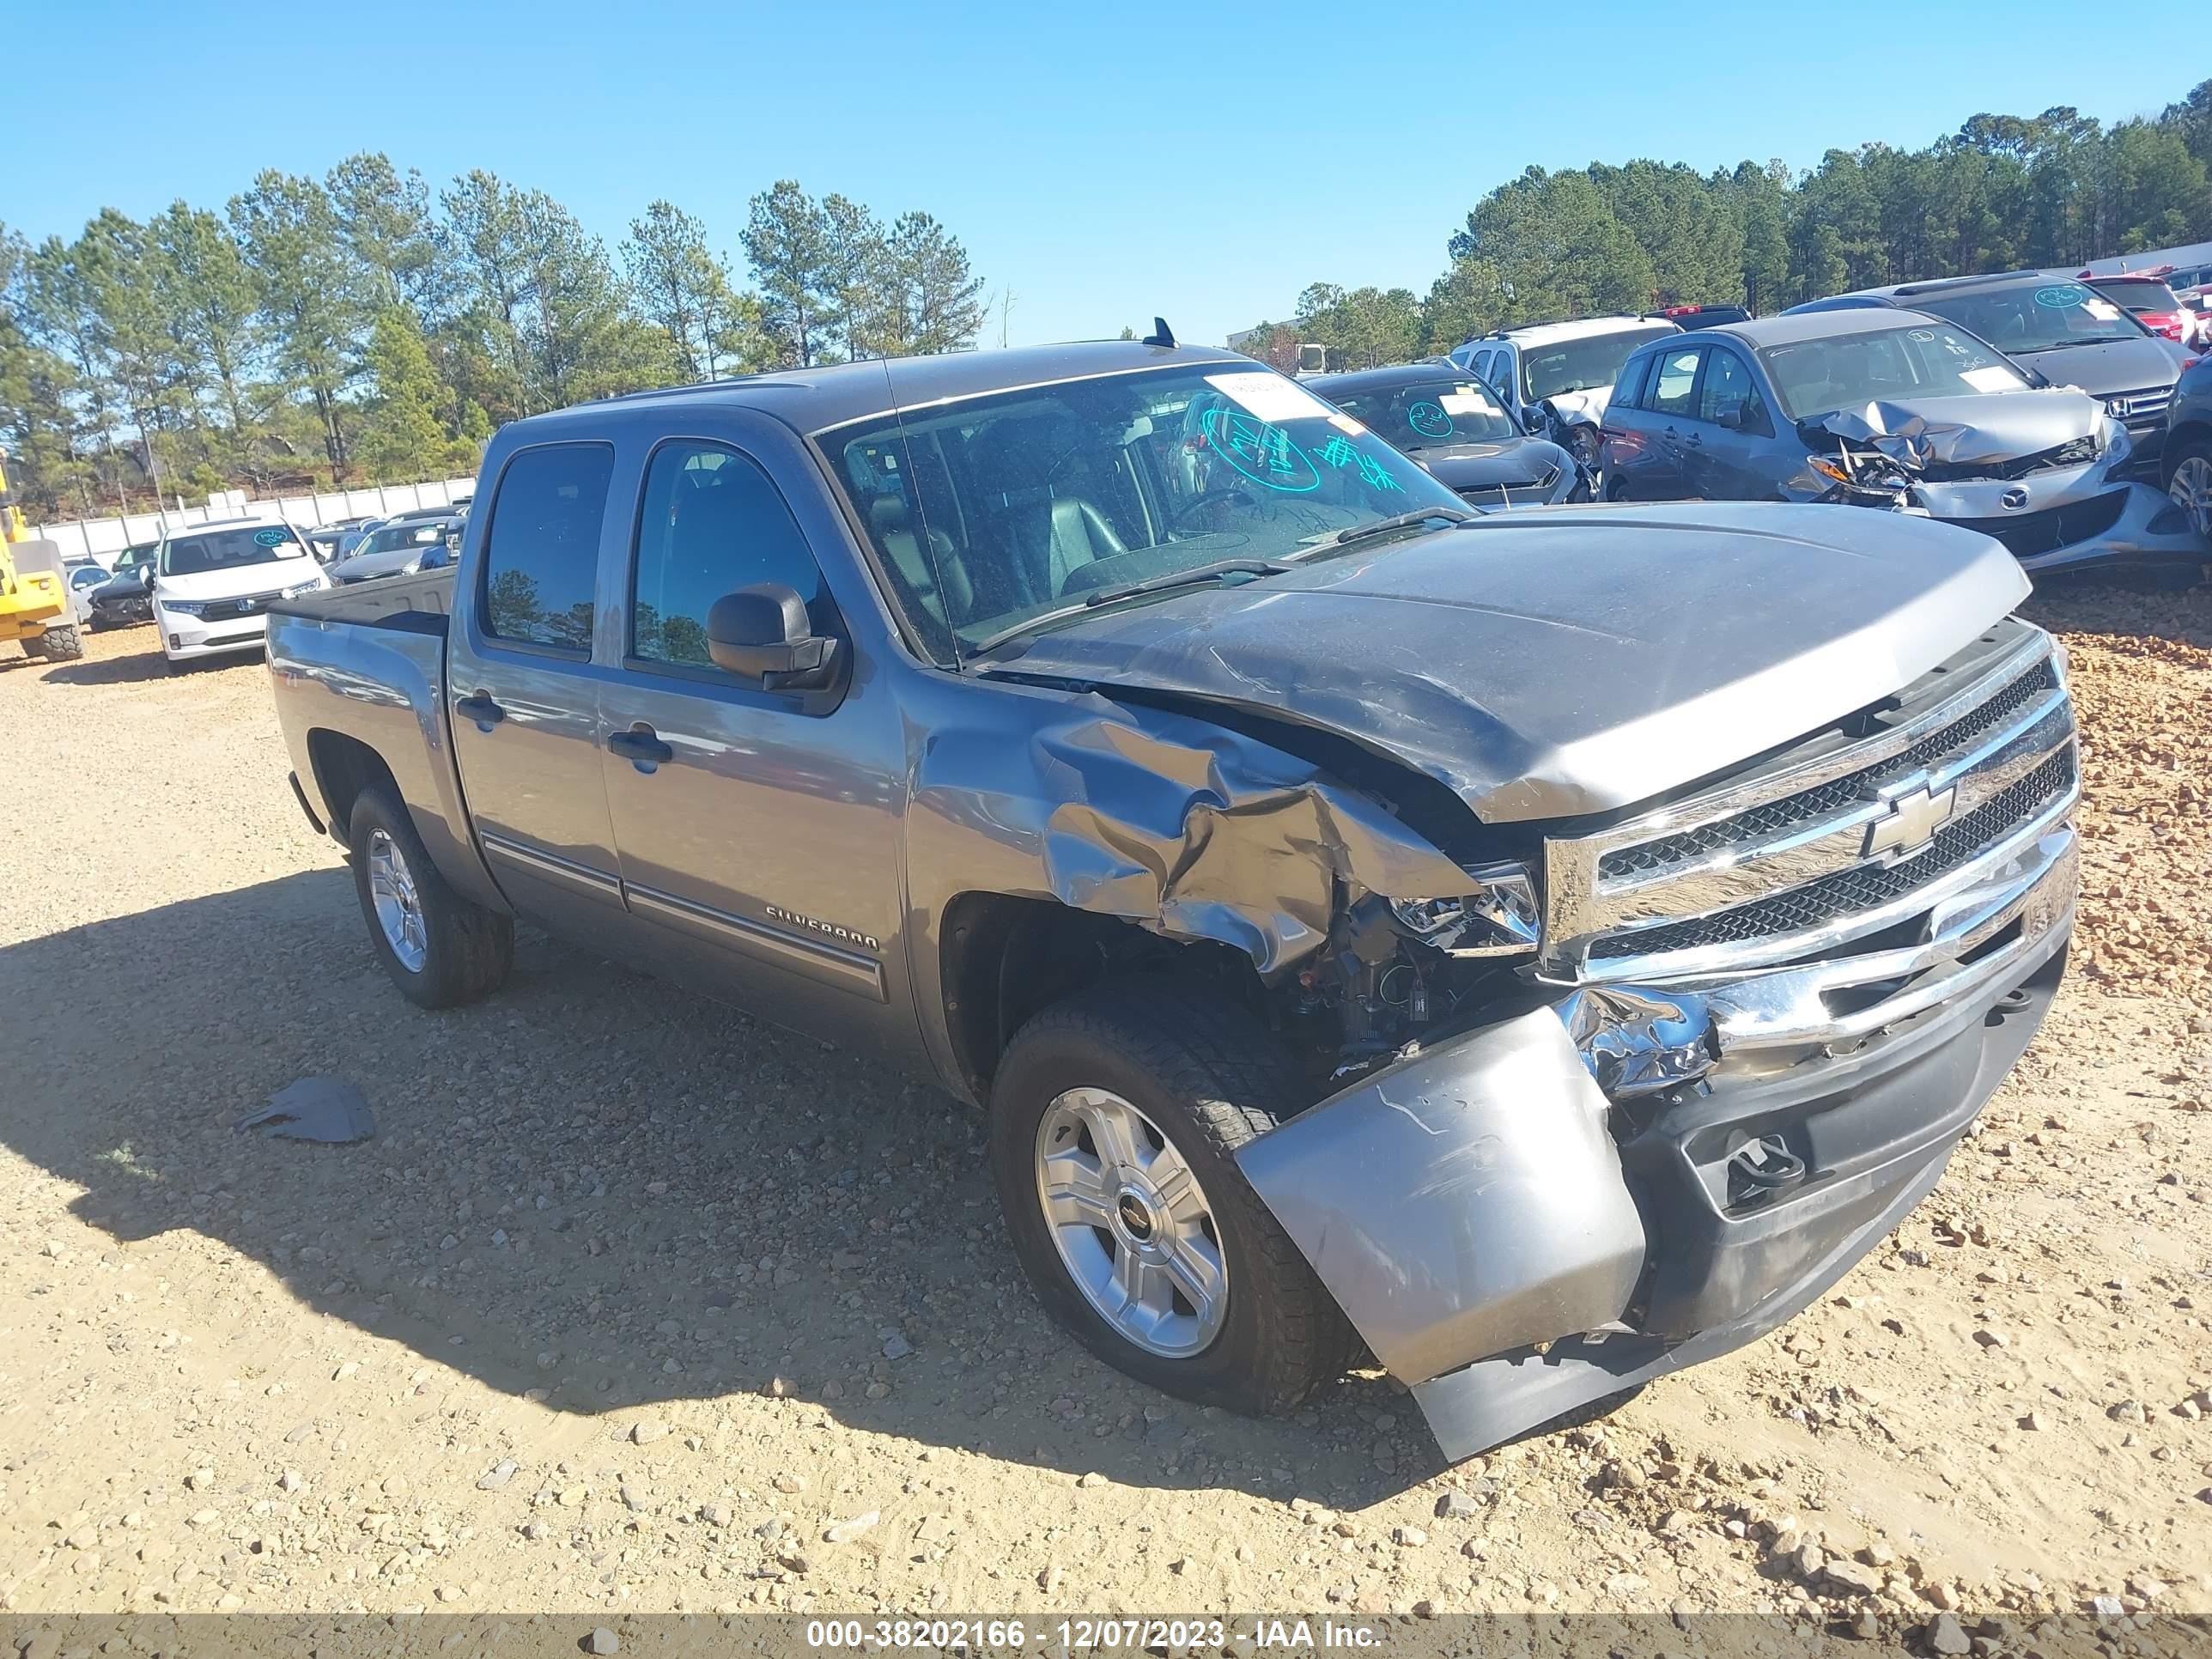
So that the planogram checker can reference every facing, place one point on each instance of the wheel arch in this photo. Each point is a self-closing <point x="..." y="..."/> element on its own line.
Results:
<point x="344" y="768"/>
<point x="1004" y="958"/>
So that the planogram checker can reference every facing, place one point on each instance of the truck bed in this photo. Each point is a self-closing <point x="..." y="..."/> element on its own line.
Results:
<point x="419" y="605"/>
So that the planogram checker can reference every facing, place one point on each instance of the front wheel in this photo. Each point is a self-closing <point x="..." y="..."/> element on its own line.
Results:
<point x="2189" y="485"/>
<point x="439" y="949"/>
<point x="1116" y="1118"/>
<point x="63" y="644"/>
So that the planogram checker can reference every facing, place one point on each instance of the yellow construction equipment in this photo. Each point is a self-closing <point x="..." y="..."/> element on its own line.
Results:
<point x="35" y="600"/>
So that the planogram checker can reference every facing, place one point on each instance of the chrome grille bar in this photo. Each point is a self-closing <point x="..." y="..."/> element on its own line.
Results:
<point x="1829" y="844"/>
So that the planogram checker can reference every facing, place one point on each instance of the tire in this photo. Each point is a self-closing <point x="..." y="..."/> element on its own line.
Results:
<point x="1581" y="443"/>
<point x="63" y="644"/>
<point x="2189" y="484"/>
<point x="462" y="950"/>
<point x="1206" y="1077"/>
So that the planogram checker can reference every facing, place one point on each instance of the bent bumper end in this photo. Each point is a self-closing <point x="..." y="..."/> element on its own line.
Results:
<point x="1506" y="1254"/>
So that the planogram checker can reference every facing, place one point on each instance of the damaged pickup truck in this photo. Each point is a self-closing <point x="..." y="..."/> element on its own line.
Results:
<point x="1540" y="951"/>
<point x="1895" y="410"/>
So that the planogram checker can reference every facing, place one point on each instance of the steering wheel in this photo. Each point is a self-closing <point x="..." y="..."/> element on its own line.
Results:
<point x="1232" y="493"/>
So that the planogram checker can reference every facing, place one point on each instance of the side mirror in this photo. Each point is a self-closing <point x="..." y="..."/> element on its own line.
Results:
<point x="761" y="633"/>
<point x="1536" y="420"/>
<point x="1731" y="417"/>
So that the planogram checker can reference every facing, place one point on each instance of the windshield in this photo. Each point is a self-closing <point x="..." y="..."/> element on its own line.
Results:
<point x="421" y="533"/>
<point x="2140" y="293"/>
<point x="998" y="509"/>
<point x="1428" y="414"/>
<point x="2033" y="316"/>
<point x="1581" y="364"/>
<point x="1814" y="377"/>
<point x="226" y="550"/>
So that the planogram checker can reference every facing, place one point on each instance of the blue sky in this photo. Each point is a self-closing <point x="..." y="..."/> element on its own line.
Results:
<point x="1103" y="162"/>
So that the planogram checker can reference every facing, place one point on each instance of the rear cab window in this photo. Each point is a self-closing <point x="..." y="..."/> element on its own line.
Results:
<point x="542" y="553"/>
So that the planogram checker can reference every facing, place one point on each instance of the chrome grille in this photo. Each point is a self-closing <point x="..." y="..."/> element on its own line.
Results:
<point x="2136" y="408"/>
<point x="1809" y="805"/>
<point x="1816" y="847"/>
<point x="1868" y="885"/>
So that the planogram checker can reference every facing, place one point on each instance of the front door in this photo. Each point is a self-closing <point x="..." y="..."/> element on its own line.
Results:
<point x="522" y="697"/>
<point x="757" y="828"/>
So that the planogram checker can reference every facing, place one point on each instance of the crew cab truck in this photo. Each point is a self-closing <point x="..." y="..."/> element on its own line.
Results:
<point x="1542" y="950"/>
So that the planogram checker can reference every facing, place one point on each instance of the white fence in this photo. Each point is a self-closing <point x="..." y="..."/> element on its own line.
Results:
<point x="103" y="538"/>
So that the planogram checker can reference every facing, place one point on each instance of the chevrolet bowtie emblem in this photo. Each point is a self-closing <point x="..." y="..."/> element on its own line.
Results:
<point x="1910" y="824"/>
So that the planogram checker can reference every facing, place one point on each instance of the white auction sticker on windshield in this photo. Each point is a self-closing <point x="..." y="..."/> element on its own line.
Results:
<point x="1995" y="378"/>
<point x="2103" y="310"/>
<point x="1468" y="403"/>
<point x="1270" y="397"/>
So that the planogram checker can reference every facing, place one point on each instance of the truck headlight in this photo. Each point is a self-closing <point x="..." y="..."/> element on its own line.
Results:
<point x="1497" y="916"/>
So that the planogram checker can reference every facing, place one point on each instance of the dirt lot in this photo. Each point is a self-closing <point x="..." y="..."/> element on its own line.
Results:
<point x="633" y="1299"/>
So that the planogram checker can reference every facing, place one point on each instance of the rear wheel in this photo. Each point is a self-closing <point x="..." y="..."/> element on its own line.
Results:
<point x="1114" y="1120"/>
<point x="439" y="949"/>
<point x="63" y="644"/>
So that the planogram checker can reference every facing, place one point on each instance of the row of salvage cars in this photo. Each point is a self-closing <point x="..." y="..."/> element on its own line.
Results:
<point x="2029" y="406"/>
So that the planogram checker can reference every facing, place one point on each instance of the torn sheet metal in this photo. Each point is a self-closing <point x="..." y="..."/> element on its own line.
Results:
<point x="1176" y="825"/>
<point x="1463" y="654"/>
<point x="1466" y="1201"/>
<point x="326" y="1109"/>
<point x="1634" y="1040"/>
<point x="1983" y="431"/>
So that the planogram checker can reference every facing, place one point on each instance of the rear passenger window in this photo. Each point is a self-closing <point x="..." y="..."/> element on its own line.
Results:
<point x="712" y="523"/>
<point x="542" y="556"/>
<point x="1671" y="386"/>
<point x="1629" y="394"/>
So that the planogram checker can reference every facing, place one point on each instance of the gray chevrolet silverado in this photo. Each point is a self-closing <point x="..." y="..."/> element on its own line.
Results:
<point x="1537" y="951"/>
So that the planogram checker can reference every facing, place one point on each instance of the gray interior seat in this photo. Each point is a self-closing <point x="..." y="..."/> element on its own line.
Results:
<point x="937" y="579"/>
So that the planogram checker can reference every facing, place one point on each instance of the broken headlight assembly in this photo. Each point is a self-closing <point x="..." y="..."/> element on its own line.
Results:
<point x="1497" y="916"/>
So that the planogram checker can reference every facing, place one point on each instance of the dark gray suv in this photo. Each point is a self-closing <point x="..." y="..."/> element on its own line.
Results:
<point x="1895" y="407"/>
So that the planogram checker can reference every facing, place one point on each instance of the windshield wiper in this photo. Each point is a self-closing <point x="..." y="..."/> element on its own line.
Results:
<point x="1397" y="521"/>
<point x="1197" y="576"/>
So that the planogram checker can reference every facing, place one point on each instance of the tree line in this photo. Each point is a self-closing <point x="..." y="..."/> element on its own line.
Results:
<point x="362" y="328"/>
<point x="2003" y="193"/>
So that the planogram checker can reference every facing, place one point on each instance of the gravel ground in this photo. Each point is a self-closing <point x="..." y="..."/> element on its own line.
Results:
<point x="636" y="1304"/>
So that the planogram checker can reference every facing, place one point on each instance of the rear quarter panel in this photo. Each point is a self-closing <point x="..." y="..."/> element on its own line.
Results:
<point x="369" y="663"/>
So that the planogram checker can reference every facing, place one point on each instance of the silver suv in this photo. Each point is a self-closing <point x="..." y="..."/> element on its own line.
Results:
<point x="1570" y="365"/>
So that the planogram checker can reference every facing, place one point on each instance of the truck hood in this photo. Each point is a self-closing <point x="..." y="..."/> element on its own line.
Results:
<point x="2134" y="365"/>
<point x="1563" y="660"/>
<point x="1978" y="431"/>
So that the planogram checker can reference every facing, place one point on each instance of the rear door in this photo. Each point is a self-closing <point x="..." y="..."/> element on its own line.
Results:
<point x="758" y="829"/>
<point x="521" y="695"/>
<point x="1661" y="471"/>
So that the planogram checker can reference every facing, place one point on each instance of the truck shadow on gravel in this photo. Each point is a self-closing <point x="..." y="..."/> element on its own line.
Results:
<point x="598" y="1186"/>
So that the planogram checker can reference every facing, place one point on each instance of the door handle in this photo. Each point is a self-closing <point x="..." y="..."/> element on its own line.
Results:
<point x="481" y="708"/>
<point x="641" y="745"/>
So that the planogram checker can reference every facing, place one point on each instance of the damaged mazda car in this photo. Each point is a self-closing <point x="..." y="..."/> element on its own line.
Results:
<point x="1529" y="952"/>
<point x="1891" y="409"/>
